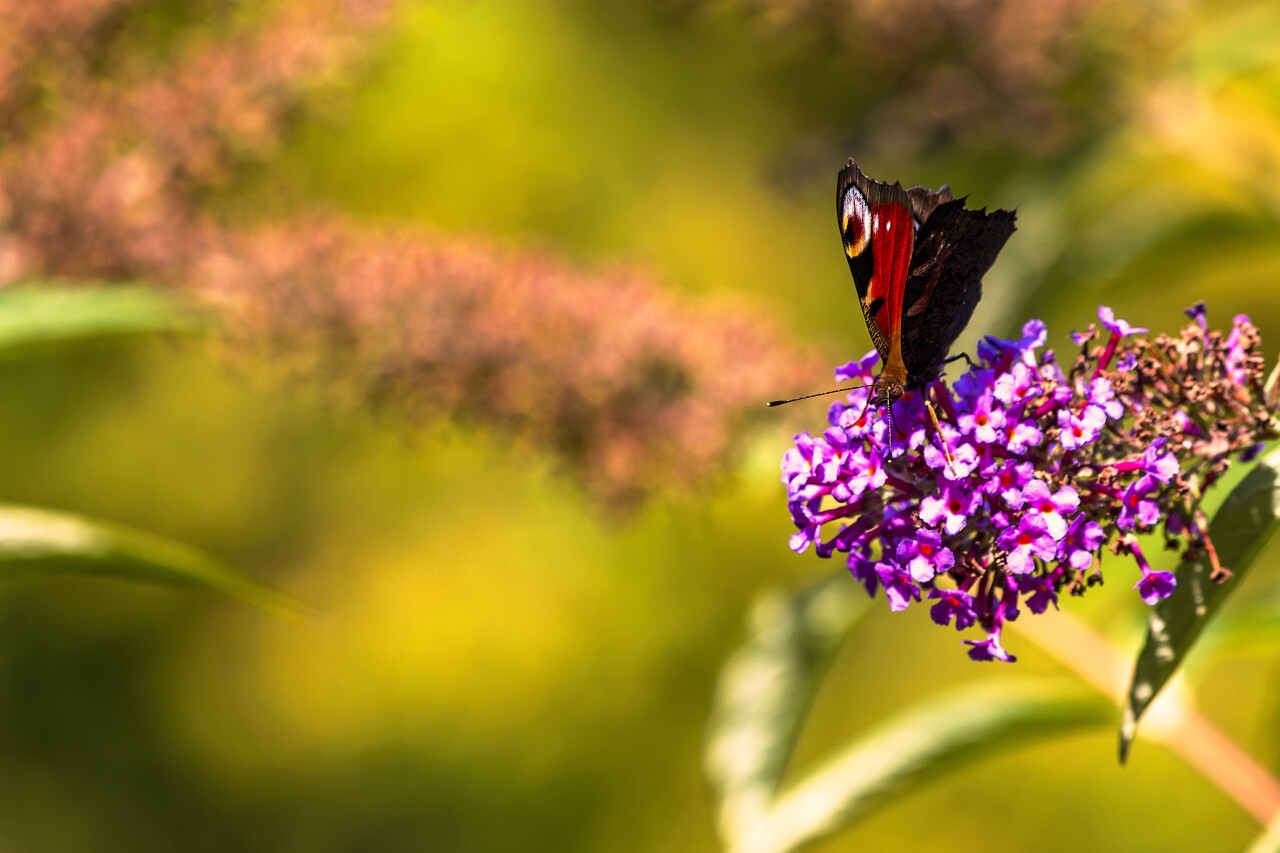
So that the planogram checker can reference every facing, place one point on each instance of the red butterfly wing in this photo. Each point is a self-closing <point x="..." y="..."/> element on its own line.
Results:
<point x="878" y="227"/>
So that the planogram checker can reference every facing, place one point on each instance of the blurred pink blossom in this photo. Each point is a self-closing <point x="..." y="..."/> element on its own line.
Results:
<point x="629" y="387"/>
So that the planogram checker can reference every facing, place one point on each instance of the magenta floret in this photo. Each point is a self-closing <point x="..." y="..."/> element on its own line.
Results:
<point x="1031" y="469"/>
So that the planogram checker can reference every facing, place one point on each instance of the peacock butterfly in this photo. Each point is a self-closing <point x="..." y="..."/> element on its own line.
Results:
<point x="917" y="258"/>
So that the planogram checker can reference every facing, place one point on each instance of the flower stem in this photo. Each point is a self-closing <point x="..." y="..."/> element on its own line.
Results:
<point x="1172" y="718"/>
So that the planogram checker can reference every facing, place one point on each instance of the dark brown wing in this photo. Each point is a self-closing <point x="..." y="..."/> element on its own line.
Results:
<point x="925" y="201"/>
<point x="954" y="248"/>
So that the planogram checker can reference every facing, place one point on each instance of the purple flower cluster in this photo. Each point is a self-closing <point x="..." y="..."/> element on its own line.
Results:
<point x="1000" y="491"/>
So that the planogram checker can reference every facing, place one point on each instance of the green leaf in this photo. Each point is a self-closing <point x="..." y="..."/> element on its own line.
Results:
<point x="36" y="317"/>
<point x="918" y="745"/>
<point x="41" y="542"/>
<point x="765" y="690"/>
<point x="1240" y="529"/>
<point x="1251" y="625"/>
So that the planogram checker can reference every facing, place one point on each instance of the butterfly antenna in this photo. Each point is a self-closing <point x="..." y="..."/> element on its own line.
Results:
<point x="819" y="394"/>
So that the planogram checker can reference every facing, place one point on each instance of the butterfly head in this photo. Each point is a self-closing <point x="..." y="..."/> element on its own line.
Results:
<point x="886" y="390"/>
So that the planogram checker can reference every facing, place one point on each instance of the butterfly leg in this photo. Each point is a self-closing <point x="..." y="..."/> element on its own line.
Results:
<point x="946" y="447"/>
<point x="959" y="356"/>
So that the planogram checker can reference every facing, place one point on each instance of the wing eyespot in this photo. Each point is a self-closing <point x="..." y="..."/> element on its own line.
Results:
<point x="855" y="222"/>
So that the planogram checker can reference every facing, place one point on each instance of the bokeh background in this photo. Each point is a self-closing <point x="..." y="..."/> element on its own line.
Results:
<point x="495" y="290"/>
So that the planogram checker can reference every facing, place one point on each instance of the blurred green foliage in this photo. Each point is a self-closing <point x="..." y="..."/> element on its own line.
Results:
<point x="498" y="668"/>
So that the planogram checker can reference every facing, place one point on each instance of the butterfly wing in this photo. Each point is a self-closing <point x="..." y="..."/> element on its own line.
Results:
<point x="877" y="226"/>
<point x="953" y="250"/>
<point x="925" y="201"/>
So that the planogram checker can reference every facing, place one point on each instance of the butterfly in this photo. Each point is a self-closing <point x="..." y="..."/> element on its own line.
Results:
<point x="917" y="257"/>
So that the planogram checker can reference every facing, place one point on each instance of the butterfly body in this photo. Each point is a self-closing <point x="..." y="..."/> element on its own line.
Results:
<point x="917" y="257"/>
